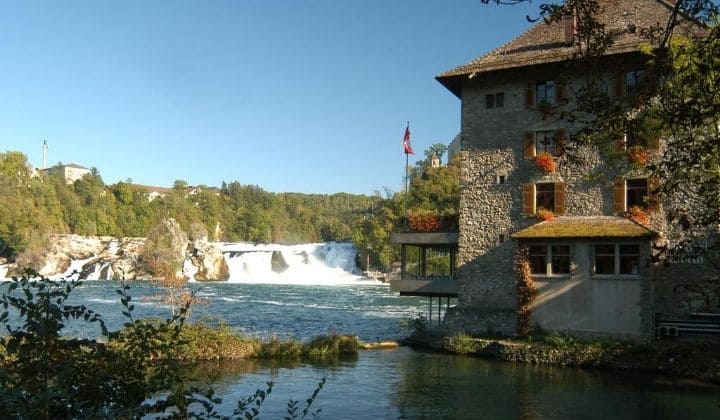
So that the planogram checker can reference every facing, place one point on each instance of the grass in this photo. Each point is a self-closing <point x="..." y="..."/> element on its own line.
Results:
<point x="211" y="339"/>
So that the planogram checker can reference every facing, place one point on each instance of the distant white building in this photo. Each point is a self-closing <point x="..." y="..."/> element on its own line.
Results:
<point x="71" y="172"/>
<point x="153" y="191"/>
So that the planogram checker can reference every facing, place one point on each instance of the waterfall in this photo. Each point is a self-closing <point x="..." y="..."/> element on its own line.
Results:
<point x="318" y="264"/>
<point x="323" y="263"/>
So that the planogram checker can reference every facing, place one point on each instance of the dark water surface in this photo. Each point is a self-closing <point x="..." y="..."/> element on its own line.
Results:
<point x="400" y="383"/>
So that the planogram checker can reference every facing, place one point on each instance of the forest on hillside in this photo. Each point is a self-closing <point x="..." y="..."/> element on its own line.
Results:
<point x="34" y="207"/>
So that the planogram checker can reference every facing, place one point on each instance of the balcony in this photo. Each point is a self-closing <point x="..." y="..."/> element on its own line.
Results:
<point x="432" y="286"/>
<point x="428" y="260"/>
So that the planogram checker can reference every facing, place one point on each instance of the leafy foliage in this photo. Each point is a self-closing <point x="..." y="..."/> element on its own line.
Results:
<point x="139" y="371"/>
<point x="31" y="207"/>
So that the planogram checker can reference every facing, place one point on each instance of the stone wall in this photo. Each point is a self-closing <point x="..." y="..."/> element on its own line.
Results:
<point x="492" y="145"/>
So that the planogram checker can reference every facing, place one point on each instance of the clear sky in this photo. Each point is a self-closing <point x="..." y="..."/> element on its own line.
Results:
<point x="290" y="95"/>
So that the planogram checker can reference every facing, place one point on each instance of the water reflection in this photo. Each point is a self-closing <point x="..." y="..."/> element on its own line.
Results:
<point x="408" y="384"/>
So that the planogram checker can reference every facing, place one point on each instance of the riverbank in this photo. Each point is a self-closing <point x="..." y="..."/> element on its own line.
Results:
<point x="695" y="360"/>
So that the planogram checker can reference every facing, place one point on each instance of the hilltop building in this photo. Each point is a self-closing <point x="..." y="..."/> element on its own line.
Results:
<point x="71" y="172"/>
<point x="591" y="264"/>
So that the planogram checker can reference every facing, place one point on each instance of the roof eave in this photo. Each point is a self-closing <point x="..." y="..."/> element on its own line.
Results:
<point x="452" y="83"/>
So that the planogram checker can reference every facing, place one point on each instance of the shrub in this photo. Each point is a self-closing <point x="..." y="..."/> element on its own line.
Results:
<point x="138" y="373"/>
<point x="278" y="349"/>
<point x="461" y="343"/>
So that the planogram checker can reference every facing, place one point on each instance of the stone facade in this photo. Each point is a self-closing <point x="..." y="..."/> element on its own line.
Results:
<point x="496" y="171"/>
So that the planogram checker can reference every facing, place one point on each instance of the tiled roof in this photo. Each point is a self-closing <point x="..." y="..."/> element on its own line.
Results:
<point x="585" y="227"/>
<point x="545" y="43"/>
<point x="152" y="188"/>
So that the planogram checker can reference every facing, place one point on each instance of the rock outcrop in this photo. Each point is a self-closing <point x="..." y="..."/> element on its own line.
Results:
<point x="209" y="261"/>
<point x="109" y="258"/>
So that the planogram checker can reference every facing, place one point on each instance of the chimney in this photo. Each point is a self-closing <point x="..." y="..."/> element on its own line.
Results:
<point x="570" y="26"/>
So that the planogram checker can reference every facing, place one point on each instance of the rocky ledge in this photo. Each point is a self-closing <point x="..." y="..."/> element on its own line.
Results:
<point x="109" y="258"/>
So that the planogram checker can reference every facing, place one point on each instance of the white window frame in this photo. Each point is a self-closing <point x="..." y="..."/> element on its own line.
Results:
<point x="617" y="257"/>
<point x="548" y="260"/>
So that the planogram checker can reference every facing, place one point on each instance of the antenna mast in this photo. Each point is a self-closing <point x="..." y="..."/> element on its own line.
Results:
<point x="44" y="149"/>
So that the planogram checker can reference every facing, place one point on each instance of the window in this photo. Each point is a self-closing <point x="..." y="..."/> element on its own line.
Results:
<point x="545" y="142"/>
<point x="604" y="259"/>
<point x="495" y="100"/>
<point x="629" y="259"/>
<point x="636" y="193"/>
<point x="501" y="178"/>
<point x="617" y="259"/>
<point x="545" y="196"/>
<point x="558" y="257"/>
<point x="633" y="81"/>
<point x="545" y="92"/>
<point x="538" y="259"/>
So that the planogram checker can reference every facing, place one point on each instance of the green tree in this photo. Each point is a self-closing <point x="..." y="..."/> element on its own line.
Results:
<point x="437" y="149"/>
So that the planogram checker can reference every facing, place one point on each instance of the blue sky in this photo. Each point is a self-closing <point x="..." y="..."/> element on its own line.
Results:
<point x="290" y="95"/>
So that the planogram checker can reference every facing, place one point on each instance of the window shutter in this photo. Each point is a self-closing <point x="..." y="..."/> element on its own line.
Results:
<point x="653" y="199"/>
<point x="530" y="95"/>
<point x="560" y="92"/>
<point x="619" y="82"/>
<point x="560" y="198"/>
<point x="529" y="145"/>
<point x="529" y="199"/>
<point x="561" y="138"/>
<point x="619" y="196"/>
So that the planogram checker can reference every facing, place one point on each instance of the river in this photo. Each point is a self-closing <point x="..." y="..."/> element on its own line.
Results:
<point x="400" y="383"/>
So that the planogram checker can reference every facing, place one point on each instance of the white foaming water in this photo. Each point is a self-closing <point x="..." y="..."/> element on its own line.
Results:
<point x="329" y="263"/>
<point x="318" y="264"/>
<point x="189" y="270"/>
<point x="74" y="270"/>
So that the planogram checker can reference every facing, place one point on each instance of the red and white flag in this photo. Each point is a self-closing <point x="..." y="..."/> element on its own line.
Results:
<point x="406" y="142"/>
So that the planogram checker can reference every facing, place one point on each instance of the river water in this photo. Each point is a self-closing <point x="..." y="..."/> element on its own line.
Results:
<point x="400" y="383"/>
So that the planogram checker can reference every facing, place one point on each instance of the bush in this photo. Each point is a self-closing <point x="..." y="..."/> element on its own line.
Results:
<point x="277" y="349"/>
<point x="332" y="345"/>
<point x="139" y="372"/>
<point x="461" y="343"/>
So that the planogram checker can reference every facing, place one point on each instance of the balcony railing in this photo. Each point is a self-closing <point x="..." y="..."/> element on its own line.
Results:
<point x="411" y="285"/>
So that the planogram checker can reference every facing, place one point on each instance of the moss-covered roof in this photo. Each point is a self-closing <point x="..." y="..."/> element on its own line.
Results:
<point x="585" y="227"/>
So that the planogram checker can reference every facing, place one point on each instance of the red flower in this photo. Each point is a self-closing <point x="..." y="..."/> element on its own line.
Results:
<point x="423" y="222"/>
<point x="544" y="215"/>
<point x="639" y="215"/>
<point x="545" y="161"/>
<point x="638" y="155"/>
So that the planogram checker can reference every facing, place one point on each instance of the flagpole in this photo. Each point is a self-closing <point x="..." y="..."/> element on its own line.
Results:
<point x="407" y="174"/>
<point x="407" y="160"/>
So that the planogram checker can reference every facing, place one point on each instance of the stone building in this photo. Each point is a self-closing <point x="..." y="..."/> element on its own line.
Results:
<point x="591" y="264"/>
